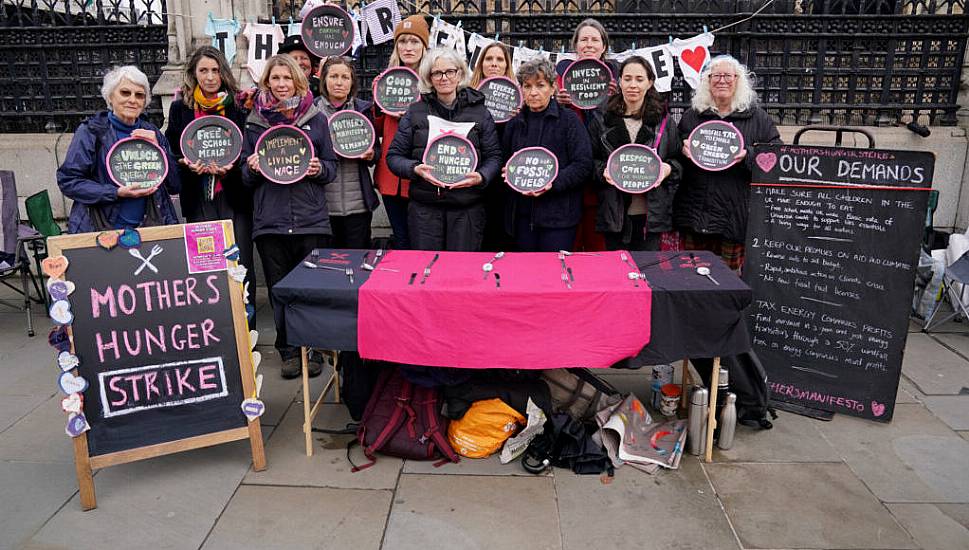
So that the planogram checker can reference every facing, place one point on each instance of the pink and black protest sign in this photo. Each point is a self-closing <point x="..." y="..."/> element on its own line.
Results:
<point x="714" y="145"/>
<point x="352" y="134"/>
<point x="451" y="158"/>
<point x="211" y="140"/>
<point x="634" y="168"/>
<point x="587" y="81"/>
<point x="503" y="97"/>
<point x="531" y="170"/>
<point x="395" y="89"/>
<point x="284" y="154"/>
<point x="137" y="163"/>
<point x="327" y="30"/>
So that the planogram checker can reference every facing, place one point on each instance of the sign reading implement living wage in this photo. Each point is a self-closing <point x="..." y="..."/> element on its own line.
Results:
<point x="327" y="30"/>
<point x="714" y="145"/>
<point x="634" y="168"/>
<point x="587" y="81"/>
<point x="503" y="97"/>
<point x="531" y="170"/>
<point x="352" y="134"/>
<point x="395" y="89"/>
<point x="137" y="163"/>
<point x="211" y="140"/>
<point x="284" y="154"/>
<point x="451" y="158"/>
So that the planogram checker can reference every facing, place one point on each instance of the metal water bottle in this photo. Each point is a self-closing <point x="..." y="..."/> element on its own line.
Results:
<point x="728" y="422"/>
<point x="697" y="433"/>
<point x="723" y="388"/>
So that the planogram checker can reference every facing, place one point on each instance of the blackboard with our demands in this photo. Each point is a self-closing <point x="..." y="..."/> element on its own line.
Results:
<point x="165" y="351"/>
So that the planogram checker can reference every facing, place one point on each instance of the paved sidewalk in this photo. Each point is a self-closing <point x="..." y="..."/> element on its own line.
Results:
<point x="845" y="484"/>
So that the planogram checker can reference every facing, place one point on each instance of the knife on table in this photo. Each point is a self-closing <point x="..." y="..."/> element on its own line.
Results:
<point x="427" y="270"/>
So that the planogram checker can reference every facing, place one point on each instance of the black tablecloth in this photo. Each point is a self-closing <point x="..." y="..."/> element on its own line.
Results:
<point x="691" y="316"/>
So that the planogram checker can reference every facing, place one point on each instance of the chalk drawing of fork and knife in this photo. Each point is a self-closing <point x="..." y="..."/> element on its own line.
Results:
<point x="146" y="262"/>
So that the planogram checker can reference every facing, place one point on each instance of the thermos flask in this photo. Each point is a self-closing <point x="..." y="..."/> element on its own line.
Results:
<point x="728" y="422"/>
<point x="697" y="433"/>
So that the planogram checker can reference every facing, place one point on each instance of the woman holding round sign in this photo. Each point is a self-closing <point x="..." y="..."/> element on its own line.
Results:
<point x="710" y="209"/>
<point x="288" y="160"/>
<point x="550" y="159"/>
<point x="410" y="45"/>
<point x="448" y="147"/>
<point x="638" y="144"/>
<point x="351" y="197"/>
<point x="119" y="169"/>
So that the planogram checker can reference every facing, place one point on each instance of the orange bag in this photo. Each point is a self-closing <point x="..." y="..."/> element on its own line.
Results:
<point x="484" y="428"/>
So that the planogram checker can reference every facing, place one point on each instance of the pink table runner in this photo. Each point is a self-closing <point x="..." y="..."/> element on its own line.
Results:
<point x="533" y="320"/>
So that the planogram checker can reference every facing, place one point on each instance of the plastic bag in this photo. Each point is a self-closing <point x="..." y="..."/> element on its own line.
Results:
<point x="484" y="428"/>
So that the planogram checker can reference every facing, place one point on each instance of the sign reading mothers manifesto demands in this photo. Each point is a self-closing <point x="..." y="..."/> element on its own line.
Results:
<point x="832" y="246"/>
<point x="327" y="30"/>
<point x="587" y="81"/>
<point x="137" y="163"/>
<point x="634" y="168"/>
<point x="284" y="154"/>
<point x="503" y="97"/>
<point x="451" y="158"/>
<point x="714" y="145"/>
<point x="395" y="89"/>
<point x="531" y="169"/>
<point x="352" y="134"/>
<point x="211" y="140"/>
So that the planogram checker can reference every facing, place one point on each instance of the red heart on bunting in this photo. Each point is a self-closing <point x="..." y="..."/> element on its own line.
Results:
<point x="695" y="57"/>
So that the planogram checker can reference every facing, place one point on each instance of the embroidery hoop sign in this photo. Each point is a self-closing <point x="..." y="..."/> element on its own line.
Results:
<point x="273" y="156"/>
<point x="503" y="97"/>
<point x="457" y="151"/>
<point x="634" y="168"/>
<point x="123" y="170"/>
<point x="211" y="138"/>
<point x="327" y="30"/>
<point x="528" y="165"/>
<point x="715" y="144"/>
<point x="352" y="134"/>
<point x="396" y="89"/>
<point x="587" y="81"/>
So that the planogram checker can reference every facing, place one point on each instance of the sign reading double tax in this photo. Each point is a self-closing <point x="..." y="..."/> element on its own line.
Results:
<point x="715" y="144"/>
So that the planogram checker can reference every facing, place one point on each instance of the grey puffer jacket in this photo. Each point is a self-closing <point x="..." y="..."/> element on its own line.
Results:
<point x="358" y="195"/>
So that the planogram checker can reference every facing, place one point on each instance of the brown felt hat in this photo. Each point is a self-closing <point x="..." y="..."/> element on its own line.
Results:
<point x="415" y="25"/>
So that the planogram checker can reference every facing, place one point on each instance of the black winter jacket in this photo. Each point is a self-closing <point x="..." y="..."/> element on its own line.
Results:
<point x="564" y="135"/>
<point x="238" y="196"/>
<point x="407" y="149"/>
<point x="715" y="203"/>
<point x="298" y="208"/>
<point x="609" y="133"/>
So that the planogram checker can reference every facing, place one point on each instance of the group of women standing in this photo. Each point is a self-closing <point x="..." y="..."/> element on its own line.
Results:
<point x="333" y="205"/>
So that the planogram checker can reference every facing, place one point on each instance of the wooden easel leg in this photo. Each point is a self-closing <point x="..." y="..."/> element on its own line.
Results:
<point x="307" y="420"/>
<point x="685" y="382"/>
<point x="255" y="441"/>
<point x="712" y="413"/>
<point x="85" y="479"/>
<point x="336" y="376"/>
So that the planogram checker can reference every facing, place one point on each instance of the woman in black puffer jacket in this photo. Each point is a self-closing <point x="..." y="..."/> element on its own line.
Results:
<point x="636" y="115"/>
<point x="442" y="218"/>
<point x="710" y="209"/>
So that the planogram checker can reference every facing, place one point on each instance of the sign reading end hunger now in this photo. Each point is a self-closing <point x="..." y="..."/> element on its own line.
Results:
<point x="832" y="246"/>
<point x="158" y="359"/>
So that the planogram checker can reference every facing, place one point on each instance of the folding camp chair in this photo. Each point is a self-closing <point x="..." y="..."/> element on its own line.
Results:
<point x="41" y="218"/>
<point x="13" y="238"/>
<point x="955" y="273"/>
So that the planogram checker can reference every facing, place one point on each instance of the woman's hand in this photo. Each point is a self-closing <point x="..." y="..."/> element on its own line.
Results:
<point x="219" y="171"/>
<point x="196" y="167"/>
<point x="315" y="167"/>
<point x="132" y="193"/>
<point x="469" y="180"/>
<point x="613" y="88"/>
<point x="426" y="173"/>
<point x="686" y="149"/>
<point x="142" y="133"/>
<point x="398" y="116"/>
<point x="368" y="155"/>
<point x="741" y="155"/>
<point x="253" y="162"/>
<point x="537" y="192"/>
<point x="563" y="97"/>
<point x="664" y="171"/>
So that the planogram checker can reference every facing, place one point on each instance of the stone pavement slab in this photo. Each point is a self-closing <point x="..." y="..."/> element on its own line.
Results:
<point x="39" y="436"/>
<point x="804" y="506"/>
<point x="328" y="467"/>
<point x="490" y="466"/>
<point x="32" y="493"/>
<point x="908" y="392"/>
<point x="794" y="438"/>
<point x="302" y="517"/>
<point x="957" y="512"/>
<point x="166" y="502"/>
<point x="932" y="529"/>
<point x="951" y="409"/>
<point x="672" y="509"/>
<point x="15" y="407"/>
<point x="957" y="341"/>
<point x="934" y="368"/>
<point x="915" y="458"/>
<point x="465" y="512"/>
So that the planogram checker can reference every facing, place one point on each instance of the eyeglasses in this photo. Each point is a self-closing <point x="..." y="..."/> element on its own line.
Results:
<point x="726" y="77"/>
<point x="450" y="74"/>
<point x="127" y="93"/>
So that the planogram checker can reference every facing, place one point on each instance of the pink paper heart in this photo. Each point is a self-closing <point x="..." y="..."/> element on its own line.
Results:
<point x="766" y="161"/>
<point x="877" y="408"/>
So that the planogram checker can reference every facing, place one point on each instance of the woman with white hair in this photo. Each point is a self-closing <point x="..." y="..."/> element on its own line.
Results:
<point x="100" y="204"/>
<point x="440" y="217"/>
<point x="710" y="209"/>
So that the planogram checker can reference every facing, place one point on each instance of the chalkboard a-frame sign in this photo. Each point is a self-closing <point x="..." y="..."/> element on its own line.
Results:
<point x="832" y="246"/>
<point x="158" y="323"/>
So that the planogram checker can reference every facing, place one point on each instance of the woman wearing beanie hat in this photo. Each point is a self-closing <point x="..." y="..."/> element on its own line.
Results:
<point x="410" y="44"/>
